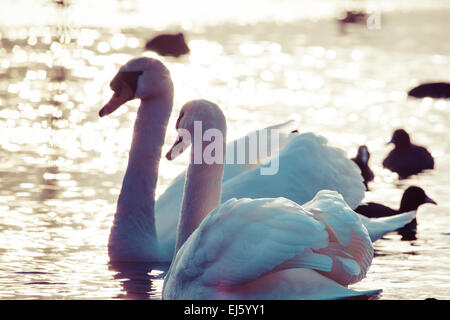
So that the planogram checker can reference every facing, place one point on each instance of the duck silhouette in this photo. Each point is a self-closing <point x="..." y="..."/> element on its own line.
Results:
<point x="168" y="45"/>
<point x="412" y="199"/>
<point x="362" y="160"/>
<point x="432" y="89"/>
<point x="407" y="159"/>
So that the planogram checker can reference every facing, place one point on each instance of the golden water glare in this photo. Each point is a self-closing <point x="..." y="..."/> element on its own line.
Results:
<point x="61" y="166"/>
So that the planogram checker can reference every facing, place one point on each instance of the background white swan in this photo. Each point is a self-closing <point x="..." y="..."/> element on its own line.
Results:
<point x="268" y="248"/>
<point x="133" y="234"/>
<point x="307" y="164"/>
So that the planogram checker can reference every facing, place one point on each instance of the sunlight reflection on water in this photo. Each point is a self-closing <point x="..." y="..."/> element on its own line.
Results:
<point x="61" y="167"/>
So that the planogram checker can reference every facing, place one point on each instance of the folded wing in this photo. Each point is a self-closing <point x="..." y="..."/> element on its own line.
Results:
<point x="244" y="239"/>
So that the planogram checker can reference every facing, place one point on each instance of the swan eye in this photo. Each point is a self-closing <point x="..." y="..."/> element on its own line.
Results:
<point x="179" y="140"/>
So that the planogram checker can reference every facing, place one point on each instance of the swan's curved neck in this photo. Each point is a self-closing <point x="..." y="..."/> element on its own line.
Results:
<point x="202" y="192"/>
<point x="137" y="196"/>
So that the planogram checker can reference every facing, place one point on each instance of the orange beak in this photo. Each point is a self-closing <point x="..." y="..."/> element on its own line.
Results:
<point x="177" y="148"/>
<point x="124" y="86"/>
<point x="119" y="98"/>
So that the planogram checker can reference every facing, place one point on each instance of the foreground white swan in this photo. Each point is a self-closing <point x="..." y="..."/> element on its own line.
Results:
<point x="269" y="248"/>
<point x="307" y="165"/>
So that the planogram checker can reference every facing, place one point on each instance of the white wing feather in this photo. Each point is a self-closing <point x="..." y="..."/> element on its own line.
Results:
<point x="306" y="165"/>
<point x="378" y="227"/>
<point x="350" y="245"/>
<point x="243" y="239"/>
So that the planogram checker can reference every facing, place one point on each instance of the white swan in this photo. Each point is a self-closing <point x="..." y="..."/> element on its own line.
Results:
<point x="269" y="248"/>
<point x="133" y="235"/>
<point x="307" y="164"/>
<point x="143" y="231"/>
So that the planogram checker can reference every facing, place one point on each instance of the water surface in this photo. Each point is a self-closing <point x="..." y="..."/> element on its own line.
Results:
<point x="61" y="166"/>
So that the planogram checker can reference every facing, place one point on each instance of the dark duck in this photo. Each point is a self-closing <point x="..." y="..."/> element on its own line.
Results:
<point x="168" y="45"/>
<point x="362" y="160"/>
<point x="432" y="89"/>
<point x="412" y="199"/>
<point x="406" y="158"/>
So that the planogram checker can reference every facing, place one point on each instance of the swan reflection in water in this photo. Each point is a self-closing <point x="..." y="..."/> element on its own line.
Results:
<point x="139" y="280"/>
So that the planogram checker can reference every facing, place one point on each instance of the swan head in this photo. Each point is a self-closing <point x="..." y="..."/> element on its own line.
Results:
<point x="141" y="78"/>
<point x="196" y="115"/>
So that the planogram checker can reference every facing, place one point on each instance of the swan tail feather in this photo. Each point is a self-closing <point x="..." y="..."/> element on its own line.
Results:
<point x="378" y="227"/>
